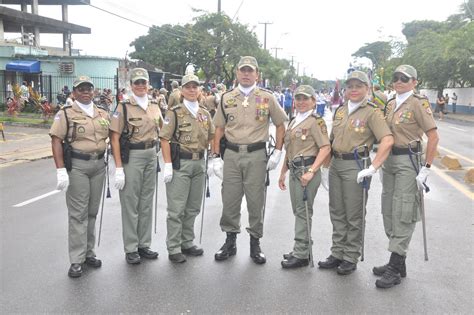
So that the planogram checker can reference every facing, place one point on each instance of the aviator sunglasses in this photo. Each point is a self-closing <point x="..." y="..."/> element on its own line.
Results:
<point x="400" y="77"/>
<point x="140" y="82"/>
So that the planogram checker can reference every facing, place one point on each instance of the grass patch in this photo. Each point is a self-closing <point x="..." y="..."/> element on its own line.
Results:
<point x="25" y="120"/>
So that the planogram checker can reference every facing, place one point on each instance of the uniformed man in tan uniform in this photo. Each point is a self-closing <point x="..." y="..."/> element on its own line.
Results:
<point x="85" y="127"/>
<point x="243" y="117"/>
<point x="212" y="100"/>
<point x="356" y="123"/>
<point x="307" y="147"/>
<point x="175" y="95"/>
<point x="409" y="116"/>
<point x="138" y="120"/>
<point x="190" y="126"/>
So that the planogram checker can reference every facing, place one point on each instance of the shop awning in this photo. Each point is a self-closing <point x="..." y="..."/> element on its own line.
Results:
<point x="28" y="66"/>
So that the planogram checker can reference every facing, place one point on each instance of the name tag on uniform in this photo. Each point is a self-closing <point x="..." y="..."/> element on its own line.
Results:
<point x="134" y="119"/>
<point x="184" y="125"/>
<point x="78" y="118"/>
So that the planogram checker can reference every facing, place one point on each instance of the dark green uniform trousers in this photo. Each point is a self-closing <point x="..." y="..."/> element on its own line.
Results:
<point x="301" y="249"/>
<point x="244" y="173"/>
<point x="400" y="202"/>
<point x="184" y="194"/>
<point x="136" y="199"/>
<point x="86" y="180"/>
<point x="345" y="209"/>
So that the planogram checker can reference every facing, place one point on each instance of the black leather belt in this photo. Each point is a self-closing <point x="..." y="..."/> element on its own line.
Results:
<point x="400" y="151"/>
<point x="142" y="145"/>
<point x="87" y="156"/>
<point x="308" y="161"/>
<point x="246" y="147"/>
<point x="191" y="156"/>
<point x="346" y="156"/>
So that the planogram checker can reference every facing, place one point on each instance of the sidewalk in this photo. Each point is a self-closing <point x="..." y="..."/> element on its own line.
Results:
<point x="458" y="117"/>
<point x="24" y="144"/>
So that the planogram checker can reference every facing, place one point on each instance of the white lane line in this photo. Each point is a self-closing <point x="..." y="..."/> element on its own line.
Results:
<point x="460" y="187"/>
<point x="462" y="157"/>
<point x="457" y="128"/>
<point x="24" y="203"/>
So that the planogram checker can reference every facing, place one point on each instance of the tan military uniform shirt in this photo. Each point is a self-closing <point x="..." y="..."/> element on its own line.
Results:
<point x="211" y="102"/>
<point x="365" y="125"/>
<point x="306" y="138"/>
<point x="145" y="125"/>
<point x="248" y="118"/>
<point x="413" y="118"/>
<point x="192" y="133"/>
<point x="86" y="134"/>
<point x="174" y="98"/>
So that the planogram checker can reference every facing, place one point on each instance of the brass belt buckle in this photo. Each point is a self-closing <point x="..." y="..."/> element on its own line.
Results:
<point x="94" y="156"/>
<point x="195" y="156"/>
<point x="243" y="147"/>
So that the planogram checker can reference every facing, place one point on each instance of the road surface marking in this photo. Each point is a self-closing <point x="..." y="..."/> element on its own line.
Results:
<point x="457" y="128"/>
<point x="456" y="154"/>
<point x="453" y="182"/>
<point x="24" y="203"/>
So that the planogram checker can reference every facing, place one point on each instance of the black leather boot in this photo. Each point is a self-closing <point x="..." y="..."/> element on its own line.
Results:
<point x="391" y="276"/>
<point x="228" y="249"/>
<point x="379" y="271"/>
<point x="255" y="252"/>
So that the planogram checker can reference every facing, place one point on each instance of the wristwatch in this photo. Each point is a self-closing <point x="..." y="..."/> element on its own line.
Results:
<point x="427" y="165"/>
<point x="310" y="170"/>
<point x="215" y="155"/>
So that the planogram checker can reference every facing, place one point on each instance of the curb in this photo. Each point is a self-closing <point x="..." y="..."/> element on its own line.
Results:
<point x="20" y="124"/>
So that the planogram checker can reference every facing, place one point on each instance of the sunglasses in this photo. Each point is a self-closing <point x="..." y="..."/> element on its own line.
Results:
<point x="85" y="89"/>
<point x="400" y="77"/>
<point x="140" y="82"/>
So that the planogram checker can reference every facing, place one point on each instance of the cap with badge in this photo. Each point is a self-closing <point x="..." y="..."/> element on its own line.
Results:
<point x="139" y="74"/>
<point x="358" y="75"/>
<point x="248" y="61"/>
<point x="407" y="70"/>
<point x="189" y="78"/>
<point x="81" y="80"/>
<point x="305" y="90"/>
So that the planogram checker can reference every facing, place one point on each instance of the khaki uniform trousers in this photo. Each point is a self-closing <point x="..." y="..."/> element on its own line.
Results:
<point x="400" y="202"/>
<point x="136" y="199"/>
<point x="86" y="181"/>
<point x="301" y="249"/>
<point x="244" y="173"/>
<point x="184" y="194"/>
<point x="345" y="209"/>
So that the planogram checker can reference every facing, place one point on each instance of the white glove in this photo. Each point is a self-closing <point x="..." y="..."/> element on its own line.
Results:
<point x="421" y="178"/>
<point x="168" y="172"/>
<point x="63" y="179"/>
<point x="218" y="167"/>
<point x="210" y="169"/>
<point x="325" y="177"/>
<point x="274" y="160"/>
<point x="368" y="172"/>
<point x="119" y="178"/>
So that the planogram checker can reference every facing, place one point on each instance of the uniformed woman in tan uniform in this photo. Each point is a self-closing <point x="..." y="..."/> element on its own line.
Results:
<point x="356" y="123"/>
<point x="189" y="126"/>
<point x="307" y="147"/>
<point x="85" y="128"/>
<point x="409" y="116"/>
<point x="138" y="120"/>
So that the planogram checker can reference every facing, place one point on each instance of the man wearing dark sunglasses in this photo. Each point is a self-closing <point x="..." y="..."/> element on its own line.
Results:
<point x="409" y="116"/>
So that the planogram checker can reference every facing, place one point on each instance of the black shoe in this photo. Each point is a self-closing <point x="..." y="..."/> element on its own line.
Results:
<point x="132" y="258"/>
<point x="389" y="279"/>
<point x="379" y="271"/>
<point x="93" y="262"/>
<point x="293" y="262"/>
<point x="330" y="263"/>
<point x="228" y="249"/>
<point x="147" y="253"/>
<point x="256" y="253"/>
<point x="193" y="251"/>
<point x="75" y="271"/>
<point x="177" y="258"/>
<point x="346" y="268"/>
<point x="287" y="256"/>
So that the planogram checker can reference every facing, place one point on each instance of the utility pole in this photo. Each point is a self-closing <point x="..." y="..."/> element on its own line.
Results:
<point x="276" y="51"/>
<point x="219" y="48"/>
<point x="265" y="34"/>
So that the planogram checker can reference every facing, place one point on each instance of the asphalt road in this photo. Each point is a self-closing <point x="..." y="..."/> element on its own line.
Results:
<point x="34" y="260"/>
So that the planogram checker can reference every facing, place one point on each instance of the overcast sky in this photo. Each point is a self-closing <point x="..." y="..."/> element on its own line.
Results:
<point x="321" y="35"/>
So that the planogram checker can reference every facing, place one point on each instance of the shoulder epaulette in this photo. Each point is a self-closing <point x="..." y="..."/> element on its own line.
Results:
<point x="391" y="99"/>
<point x="316" y="115"/>
<point x="153" y="101"/>
<point x="102" y="106"/>
<point x="266" y="90"/>
<point x="175" y="107"/>
<point x="126" y="101"/>
<point x="66" y="106"/>
<point x="418" y="96"/>
<point x="372" y="104"/>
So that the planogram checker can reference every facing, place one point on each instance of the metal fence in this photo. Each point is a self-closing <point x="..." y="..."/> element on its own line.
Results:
<point x="50" y="86"/>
